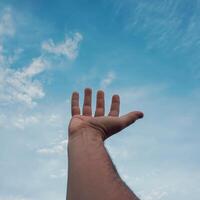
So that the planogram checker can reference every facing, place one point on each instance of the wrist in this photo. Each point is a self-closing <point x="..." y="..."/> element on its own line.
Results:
<point x="86" y="134"/>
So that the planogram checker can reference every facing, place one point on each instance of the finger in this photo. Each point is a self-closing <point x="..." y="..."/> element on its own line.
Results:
<point x="130" y="118"/>
<point x="87" y="110"/>
<point x="114" y="109"/>
<point x="75" y="110"/>
<point x="100" y="104"/>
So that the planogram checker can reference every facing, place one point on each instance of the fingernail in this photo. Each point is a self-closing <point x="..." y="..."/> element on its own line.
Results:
<point x="140" y="115"/>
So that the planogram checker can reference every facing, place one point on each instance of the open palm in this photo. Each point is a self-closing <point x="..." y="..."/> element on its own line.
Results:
<point x="105" y="125"/>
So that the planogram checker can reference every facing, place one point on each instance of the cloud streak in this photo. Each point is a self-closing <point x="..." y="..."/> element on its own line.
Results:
<point x="7" y="23"/>
<point x="68" y="48"/>
<point x="21" y="85"/>
<point x="172" y="25"/>
<point x="109" y="78"/>
<point x="57" y="149"/>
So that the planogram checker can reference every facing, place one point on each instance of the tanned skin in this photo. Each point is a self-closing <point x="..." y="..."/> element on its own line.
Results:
<point x="91" y="173"/>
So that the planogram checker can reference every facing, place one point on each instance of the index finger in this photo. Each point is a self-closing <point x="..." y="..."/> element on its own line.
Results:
<point x="75" y="110"/>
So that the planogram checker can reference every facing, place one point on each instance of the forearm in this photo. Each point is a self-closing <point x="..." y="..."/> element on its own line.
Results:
<point x="91" y="174"/>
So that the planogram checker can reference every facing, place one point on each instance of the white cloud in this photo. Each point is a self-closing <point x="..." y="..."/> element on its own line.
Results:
<point x="19" y="85"/>
<point x="18" y="121"/>
<point x="6" y="23"/>
<point x="7" y="60"/>
<point x="21" y="122"/>
<point x="16" y="54"/>
<point x="2" y="57"/>
<point x="3" y="119"/>
<point x="110" y="77"/>
<point x="53" y="118"/>
<point x="155" y="194"/>
<point x="59" y="148"/>
<point x="37" y="66"/>
<point x="7" y="28"/>
<point x="60" y="174"/>
<point x="68" y="48"/>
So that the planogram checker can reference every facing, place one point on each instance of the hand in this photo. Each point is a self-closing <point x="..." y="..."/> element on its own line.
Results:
<point x="104" y="125"/>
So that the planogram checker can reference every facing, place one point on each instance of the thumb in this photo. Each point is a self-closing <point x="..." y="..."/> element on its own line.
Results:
<point x="130" y="118"/>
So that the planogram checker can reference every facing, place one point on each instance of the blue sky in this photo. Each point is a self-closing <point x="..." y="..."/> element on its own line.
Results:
<point x="146" y="51"/>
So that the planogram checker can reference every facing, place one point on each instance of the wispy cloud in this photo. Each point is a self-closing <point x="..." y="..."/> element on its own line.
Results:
<point x="7" y="29"/>
<point x="59" y="174"/>
<point x="109" y="78"/>
<point x="37" y="66"/>
<point x="54" y="149"/>
<point x="6" y="23"/>
<point x="17" y="85"/>
<point x="167" y="25"/>
<point x="158" y="193"/>
<point x="21" y="121"/>
<point x="68" y="48"/>
<point x="3" y="119"/>
<point x="21" y="85"/>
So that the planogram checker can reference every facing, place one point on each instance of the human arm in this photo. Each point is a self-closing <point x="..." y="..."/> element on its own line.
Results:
<point x="91" y="173"/>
